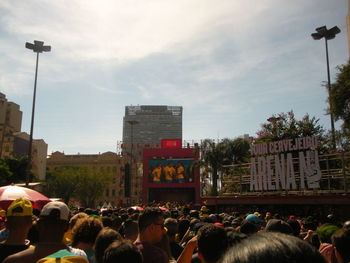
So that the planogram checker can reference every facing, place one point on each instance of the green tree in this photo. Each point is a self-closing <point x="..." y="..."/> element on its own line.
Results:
<point x="340" y="96"/>
<point x="63" y="182"/>
<point x="5" y="173"/>
<point x="214" y="156"/>
<point x="211" y="158"/>
<point x="18" y="167"/>
<point x="240" y="150"/>
<point x="286" y="126"/>
<point x="69" y="182"/>
<point x="340" y="101"/>
<point x="91" y="187"/>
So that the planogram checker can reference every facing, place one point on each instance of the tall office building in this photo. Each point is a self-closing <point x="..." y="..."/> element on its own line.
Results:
<point x="10" y="122"/>
<point x="13" y="142"/>
<point x="145" y="126"/>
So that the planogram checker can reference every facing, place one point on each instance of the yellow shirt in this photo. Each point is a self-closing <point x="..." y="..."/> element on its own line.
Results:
<point x="156" y="174"/>
<point x="180" y="172"/>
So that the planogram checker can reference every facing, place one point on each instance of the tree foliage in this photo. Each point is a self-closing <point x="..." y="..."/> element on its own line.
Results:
<point x="340" y="95"/>
<point x="5" y="172"/>
<point x="63" y="182"/>
<point x="286" y="126"/>
<point x="69" y="182"/>
<point x="215" y="155"/>
<point x="13" y="170"/>
<point x="91" y="187"/>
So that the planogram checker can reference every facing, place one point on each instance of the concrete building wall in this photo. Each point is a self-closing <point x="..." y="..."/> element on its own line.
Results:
<point x="10" y="122"/>
<point x="146" y="125"/>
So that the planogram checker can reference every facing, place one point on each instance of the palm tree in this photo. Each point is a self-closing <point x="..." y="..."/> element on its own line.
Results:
<point x="214" y="156"/>
<point x="240" y="150"/>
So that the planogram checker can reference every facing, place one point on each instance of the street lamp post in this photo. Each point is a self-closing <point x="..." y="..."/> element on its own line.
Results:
<point x="328" y="34"/>
<point x="37" y="47"/>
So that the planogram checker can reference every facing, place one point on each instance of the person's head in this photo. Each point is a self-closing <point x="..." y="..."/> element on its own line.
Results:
<point x="248" y="228"/>
<point x="325" y="232"/>
<point x="309" y="224"/>
<point x="53" y="221"/>
<point x="76" y="217"/>
<point x="267" y="247"/>
<point x="151" y="224"/>
<point x="19" y="215"/>
<point x="252" y="218"/>
<point x="295" y="225"/>
<point x="130" y="229"/>
<point x="86" y="230"/>
<point x="278" y="225"/>
<point x="172" y="225"/>
<point x="106" y="237"/>
<point x="234" y="237"/>
<point x="341" y="240"/>
<point x="346" y="225"/>
<point x="122" y="251"/>
<point x="212" y="243"/>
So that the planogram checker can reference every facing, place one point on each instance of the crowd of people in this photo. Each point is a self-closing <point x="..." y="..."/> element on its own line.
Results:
<point x="153" y="235"/>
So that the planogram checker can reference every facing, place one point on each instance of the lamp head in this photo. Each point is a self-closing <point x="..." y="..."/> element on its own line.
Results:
<point x="326" y="33"/>
<point x="38" y="46"/>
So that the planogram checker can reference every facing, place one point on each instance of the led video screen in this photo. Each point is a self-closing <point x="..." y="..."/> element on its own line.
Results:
<point x="170" y="171"/>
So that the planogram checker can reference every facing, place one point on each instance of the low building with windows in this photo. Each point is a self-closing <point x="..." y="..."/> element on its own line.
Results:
<point x="108" y="162"/>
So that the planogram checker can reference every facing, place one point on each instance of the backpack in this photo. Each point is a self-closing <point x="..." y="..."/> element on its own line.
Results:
<point x="63" y="256"/>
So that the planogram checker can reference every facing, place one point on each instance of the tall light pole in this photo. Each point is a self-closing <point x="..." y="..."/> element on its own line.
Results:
<point x="128" y="175"/>
<point x="328" y="34"/>
<point x="37" y="47"/>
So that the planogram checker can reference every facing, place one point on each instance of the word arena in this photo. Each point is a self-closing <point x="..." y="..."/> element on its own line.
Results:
<point x="276" y="169"/>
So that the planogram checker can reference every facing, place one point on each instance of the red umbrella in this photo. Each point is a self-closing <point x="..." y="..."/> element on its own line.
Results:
<point x="163" y="208"/>
<point x="10" y="193"/>
<point x="136" y="207"/>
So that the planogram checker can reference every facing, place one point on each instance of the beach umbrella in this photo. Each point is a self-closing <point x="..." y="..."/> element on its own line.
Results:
<point x="136" y="207"/>
<point x="10" y="193"/>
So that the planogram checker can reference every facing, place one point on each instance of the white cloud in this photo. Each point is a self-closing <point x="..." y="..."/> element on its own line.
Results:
<point x="220" y="60"/>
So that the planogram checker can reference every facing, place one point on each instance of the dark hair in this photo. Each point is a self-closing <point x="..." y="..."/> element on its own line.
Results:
<point x="294" y="224"/>
<point x="267" y="247"/>
<point x="103" y="240"/>
<point x="130" y="228"/>
<point x="278" y="225"/>
<point x="86" y="230"/>
<point x="172" y="225"/>
<point x="248" y="228"/>
<point x="107" y="221"/>
<point x="341" y="241"/>
<point x="149" y="216"/>
<point x="122" y="251"/>
<point x="234" y="237"/>
<point x="212" y="242"/>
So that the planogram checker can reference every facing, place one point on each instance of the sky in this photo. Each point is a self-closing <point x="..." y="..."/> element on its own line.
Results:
<point x="230" y="64"/>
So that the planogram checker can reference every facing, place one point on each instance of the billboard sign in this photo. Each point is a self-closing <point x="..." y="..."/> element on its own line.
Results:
<point x="273" y="168"/>
<point x="171" y="143"/>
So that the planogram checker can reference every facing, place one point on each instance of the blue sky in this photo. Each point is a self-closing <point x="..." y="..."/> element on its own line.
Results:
<point x="231" y="64"/>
